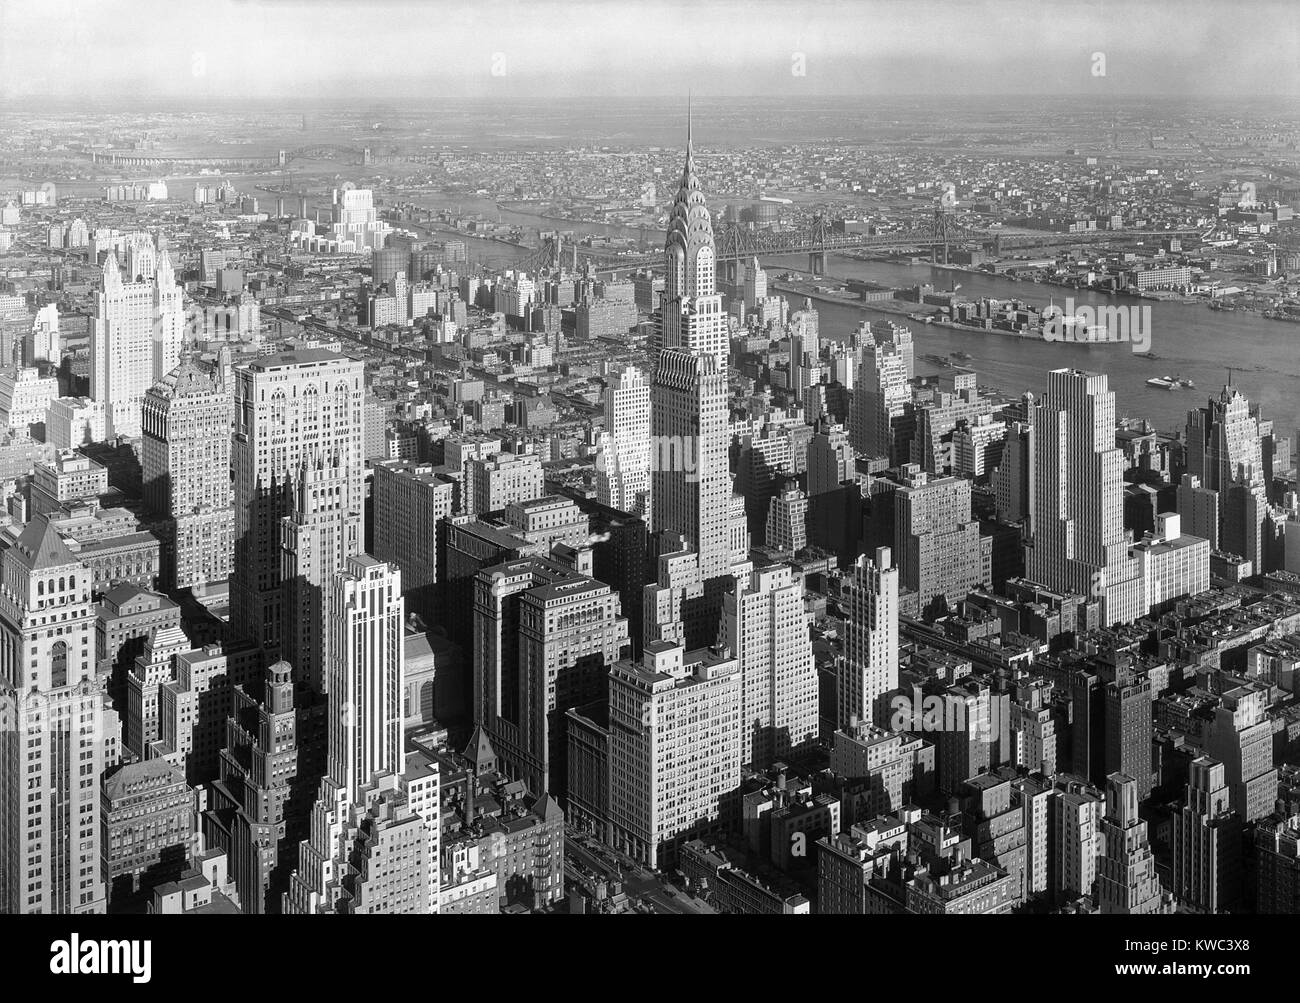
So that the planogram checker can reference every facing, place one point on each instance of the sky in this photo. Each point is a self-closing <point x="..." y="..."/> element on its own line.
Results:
<point x="415" y="50"/>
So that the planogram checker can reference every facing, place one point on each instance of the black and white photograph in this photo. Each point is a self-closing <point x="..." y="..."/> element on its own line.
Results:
<point x="663" y="458"/>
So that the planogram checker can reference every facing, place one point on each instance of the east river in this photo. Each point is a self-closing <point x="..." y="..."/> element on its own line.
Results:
<point x="1190" y="340"/>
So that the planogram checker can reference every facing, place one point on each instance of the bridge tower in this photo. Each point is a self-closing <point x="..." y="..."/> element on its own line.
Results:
<point x="731" y="247"/>
<point x="817" y="256"/>
<point x="944" y="223"/>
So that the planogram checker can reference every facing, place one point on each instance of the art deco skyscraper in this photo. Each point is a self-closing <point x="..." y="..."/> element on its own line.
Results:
<point x="1126" y="869"/>
<point x="869" y="667"/>
<point x="697" y="525"/>
<point x="691" y="476"/>
<point x="185" y="465"/>
<point x="294" y="410"/>
<point x="1225" y="451"/>
<point x="1079" y="543"/>
<point x="374" y="842"/>
<point x="262" y="786"/>
<point x="691" y="316"/>
<point x="1223" y="441"/>
<point x="58" y="731"/>
<point x="137" y="330"/>
<point x="365" y="615"/>
<point x="693" y="519"/>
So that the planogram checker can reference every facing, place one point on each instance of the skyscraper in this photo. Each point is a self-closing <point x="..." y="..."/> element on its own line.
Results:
<point x="137" y="330"/>
<point x="291" y="410"/>
<point x="408" y="500"/>
<point x="265" y="790"/>
<point x="1240" y="737"/>
<point x="365" y="615"/>
<point x="1079" y="544"/>
<point x="690" y="495"/>
<point x="868" y="669"/>
<point x="1126" y="869"/>
<point x="1223" y="441"/>
<point x="545" y="638"/>
<point x="1013" y="479"/>
<point x="1207" y="841"/>
<point x="937" y="541"/>
<point x="765" y="626"/>
<point x="59" y="734"/>
<point x="623" y="474"/>
<point x="881" y="389"/>
<point x="1225" y="452"/>
<point x="319" y="536"/>
<point x="691" y="316"/>
<point x="1128" y="728"/>
<point x="185" y="467"/>
<point x="693" y="518"/>
<point x="374" y="843"/>
<point x="675" y="747"/>
<point x="691" y="480"/>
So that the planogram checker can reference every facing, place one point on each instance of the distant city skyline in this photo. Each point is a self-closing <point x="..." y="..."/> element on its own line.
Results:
<point x="402" y="50"/>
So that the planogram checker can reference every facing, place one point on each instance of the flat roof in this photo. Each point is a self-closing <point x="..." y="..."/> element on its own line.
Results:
<point x="301" y="357"/>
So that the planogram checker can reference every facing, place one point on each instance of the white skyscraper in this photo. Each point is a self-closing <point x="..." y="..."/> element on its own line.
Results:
<point x="374" y="842"/>
<point x="881" y="387"/>
<point x="43" y="343"/>
<point x="137" y="332"/>
<point x="869" y="667"/>
<point x="365" y="616"/>
<point x="357" y="226"/>
<point x="1079" y="543"/>
<point x="765" y="625"/>
<point x="691" y="316"/>
<point x="623" y="473"/>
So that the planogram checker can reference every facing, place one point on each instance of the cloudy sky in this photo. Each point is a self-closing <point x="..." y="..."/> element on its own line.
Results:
<point x="402" y="50"/>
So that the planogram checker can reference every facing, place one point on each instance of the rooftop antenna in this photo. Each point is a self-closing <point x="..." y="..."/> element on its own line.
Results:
<point x="1229" y="376"/>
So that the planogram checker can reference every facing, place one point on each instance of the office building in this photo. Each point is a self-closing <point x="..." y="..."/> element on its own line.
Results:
<point x="765" y="626"/>
<point x="675" y="748"/>
<point x="1207" y="869"/>
<point x="623" y="466"/>
<point x="1127" y="883"/>
<point x="1079" y="544"/>
<point x="365" y="660"/>
<point x="868" y="669"/>
<point x="937" y="542"/>
<point x="545" y="637"/>
<point x="137" y="332"/>
<point x="293" y="412"/>
<point x="55" y="716"/>
<point x="185" y="466"/>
